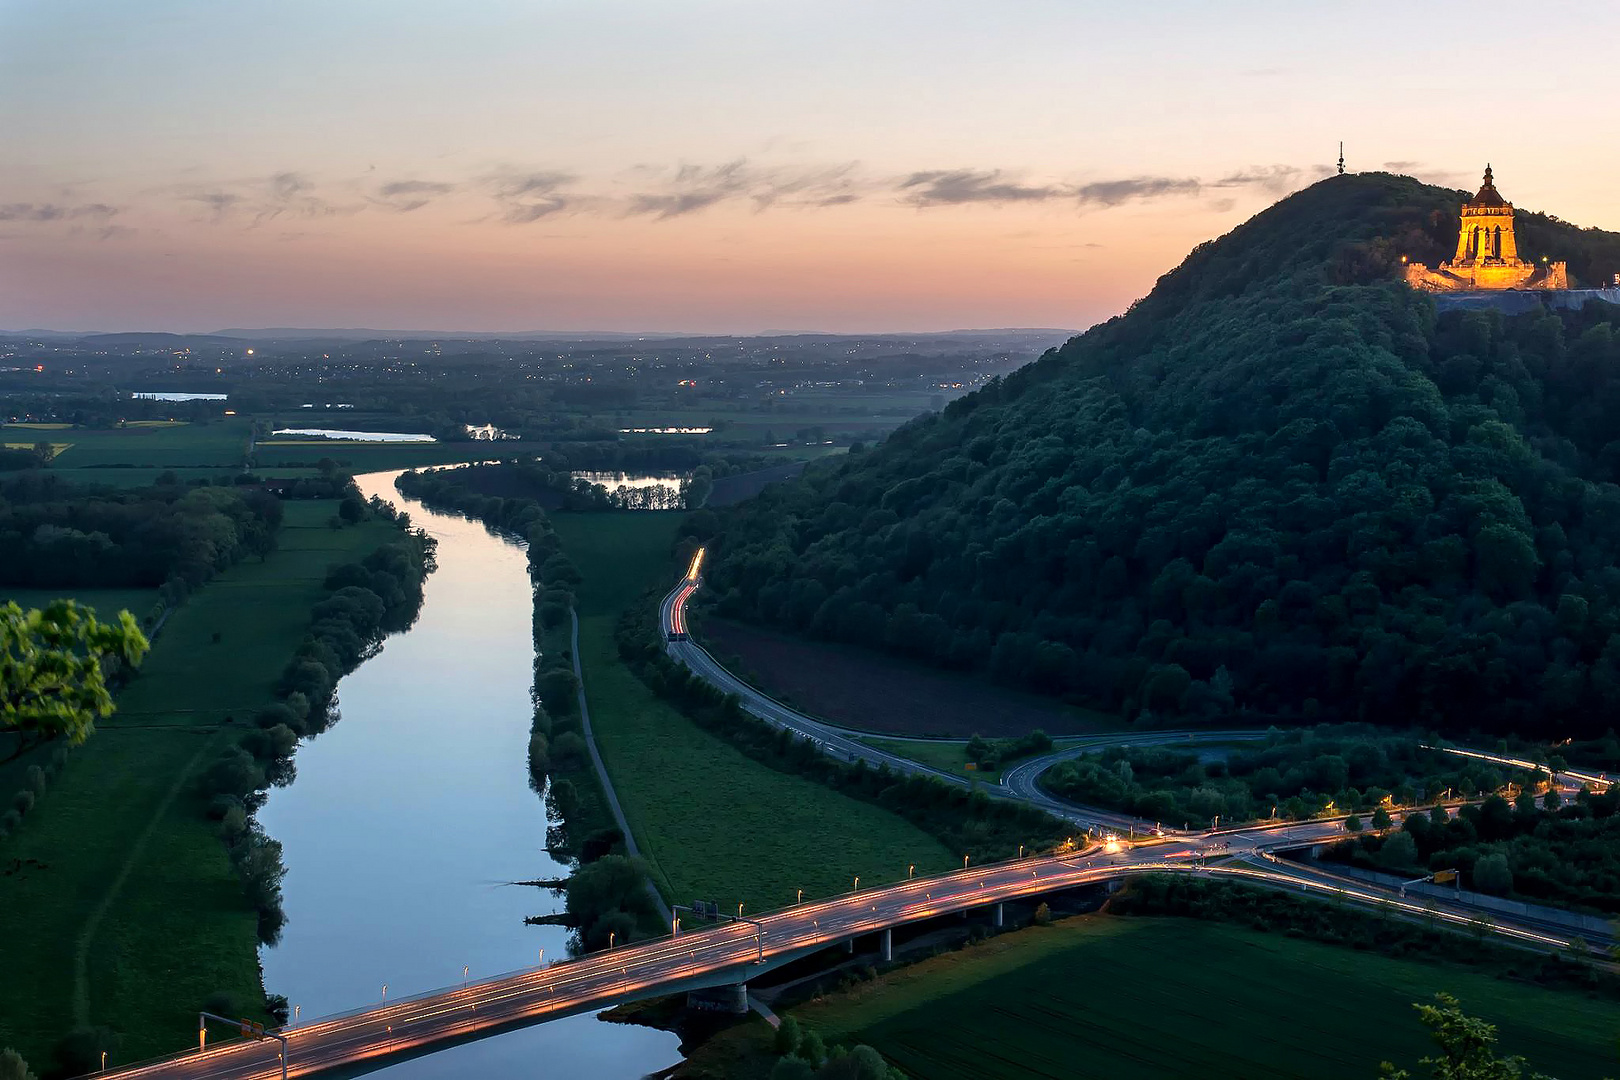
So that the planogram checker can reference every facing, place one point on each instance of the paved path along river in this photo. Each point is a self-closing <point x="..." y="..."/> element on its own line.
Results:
<point x="408" y="816"/>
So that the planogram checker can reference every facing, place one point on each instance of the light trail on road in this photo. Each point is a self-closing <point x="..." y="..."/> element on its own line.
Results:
<point x="729" y="953"/>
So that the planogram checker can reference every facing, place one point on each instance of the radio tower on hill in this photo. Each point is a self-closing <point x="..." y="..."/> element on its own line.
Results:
<point x="1341" y="158"/>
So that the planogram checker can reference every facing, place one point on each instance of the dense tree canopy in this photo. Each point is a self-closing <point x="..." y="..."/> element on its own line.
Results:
<point x="53" y="534"/>
<point x="1281" y="486"/>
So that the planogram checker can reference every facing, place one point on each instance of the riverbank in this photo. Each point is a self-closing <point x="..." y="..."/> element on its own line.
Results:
<point x="413" y="818"/>
<point x="119" y="907"/>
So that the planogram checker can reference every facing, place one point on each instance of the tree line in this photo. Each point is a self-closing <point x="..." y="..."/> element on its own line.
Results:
<point x="1296" y="775"/>
<point x="54" y="534"/>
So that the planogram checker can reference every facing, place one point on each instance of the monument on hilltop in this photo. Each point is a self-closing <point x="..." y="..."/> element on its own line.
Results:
<point x="1487" y="253"/>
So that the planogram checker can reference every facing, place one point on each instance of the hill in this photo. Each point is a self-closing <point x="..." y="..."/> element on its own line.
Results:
<point x="1279" y="487"/>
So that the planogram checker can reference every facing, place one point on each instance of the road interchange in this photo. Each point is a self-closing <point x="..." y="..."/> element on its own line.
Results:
<point x="731" y="953"/>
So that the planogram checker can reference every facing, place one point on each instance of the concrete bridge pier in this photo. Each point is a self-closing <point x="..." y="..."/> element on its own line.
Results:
<point x="888" y="945"/>
<point x="849" y="945"/>
<point x="1000" y="915"/>
<point x="725" y="999"/>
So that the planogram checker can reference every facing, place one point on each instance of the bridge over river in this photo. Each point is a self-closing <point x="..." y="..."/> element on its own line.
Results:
<point x="730" y="953"/>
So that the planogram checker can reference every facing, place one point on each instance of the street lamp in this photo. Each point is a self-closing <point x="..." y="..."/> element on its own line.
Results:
<point x="800" y="900"/>
<point x="611" y="935"/>
<point x="910" y="869"/>
<point x="542" y="958"/>
<point x="857" y="883"/>
<point x="1020" y="851"/>
<point x="674" y="925"/>
<point x="385" y="993"/>
<point x="739" y="909"/>
<point x="295" y="1014"/>
<point x="104" y="1061"/>
<point x="464" y="969"/>
<point x="964" y="862"/>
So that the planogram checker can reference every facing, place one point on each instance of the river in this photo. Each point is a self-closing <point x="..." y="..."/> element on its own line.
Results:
<point x="411" y="813"/>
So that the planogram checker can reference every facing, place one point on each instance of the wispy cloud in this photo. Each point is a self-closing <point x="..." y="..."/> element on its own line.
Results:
<point x="1115" y="192"/>
<point x="403" y="196"/>
<point x="522" y="197"/>
<point x="1272" y="179"/>
<point x="42" y="212"/>
<point x="954" y="187"/>
<point x="689" y="188"/>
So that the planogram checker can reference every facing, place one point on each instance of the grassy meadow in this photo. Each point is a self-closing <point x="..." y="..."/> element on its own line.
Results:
<point x="219" y="444"/>
<point x="118" y="906"/>
<point x="1159" y="997"/>
<point x="712" y="822"/>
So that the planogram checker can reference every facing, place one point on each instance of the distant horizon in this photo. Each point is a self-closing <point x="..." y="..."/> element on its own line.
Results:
<point x="844" y="166"/>
<point x="318" y="333"/>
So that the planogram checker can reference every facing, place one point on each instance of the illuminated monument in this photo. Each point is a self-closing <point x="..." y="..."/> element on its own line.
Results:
<point x="1487" y="253"/>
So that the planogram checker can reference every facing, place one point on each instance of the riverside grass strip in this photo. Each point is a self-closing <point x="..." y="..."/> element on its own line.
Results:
<point x="118" y="864"/>
<point x="714" y="823"/>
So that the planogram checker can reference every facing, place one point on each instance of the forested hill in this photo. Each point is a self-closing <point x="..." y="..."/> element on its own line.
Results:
<point x="1279" y="487"/>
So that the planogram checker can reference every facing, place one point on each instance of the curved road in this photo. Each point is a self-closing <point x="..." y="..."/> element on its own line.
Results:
<point x="727" y="954"/>
<point x="1018" y="783"/>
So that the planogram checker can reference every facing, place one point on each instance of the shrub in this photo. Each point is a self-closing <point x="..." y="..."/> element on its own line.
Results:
<point x="570" y="751"/>
<point x="23" y="801"/>
<point x="792" y="1068"/>
<point x="13" y="1067"/>
<point x="539" y="759"/>
<point x="36" y="779"/>
<point x="1493" y="875"/>
<point x="233" y="773"/>
<point x="787" y="1036"/>
<point x="812" y="1048"/>
<point x="1399" y="851"/>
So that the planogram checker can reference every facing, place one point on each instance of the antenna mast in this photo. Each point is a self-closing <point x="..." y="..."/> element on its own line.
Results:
<point x="1341" y="158"/>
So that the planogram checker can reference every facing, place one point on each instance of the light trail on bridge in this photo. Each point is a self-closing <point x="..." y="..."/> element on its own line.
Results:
<point x="728" y="954"/>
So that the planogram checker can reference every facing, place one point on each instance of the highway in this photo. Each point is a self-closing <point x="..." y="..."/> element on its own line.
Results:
<point x="729" y="953"/>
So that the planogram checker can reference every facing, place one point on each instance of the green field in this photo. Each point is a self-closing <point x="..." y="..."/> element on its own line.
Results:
<point x="107" y="602"/>
<point x="221" y="444"/>
<point x="120" y="907"/>
<point x="1139" y="997"/>
<point x="712" y="822"/>
<point x="362" y="457"/>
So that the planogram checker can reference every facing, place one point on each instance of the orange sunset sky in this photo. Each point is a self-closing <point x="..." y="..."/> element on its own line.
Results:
<point x="732" y="167"/>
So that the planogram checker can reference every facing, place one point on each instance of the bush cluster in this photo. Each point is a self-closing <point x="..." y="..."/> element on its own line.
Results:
<point x="805" y="1056"/>
<point x="1296" y="774"/>
<point x="1534" y="849"/>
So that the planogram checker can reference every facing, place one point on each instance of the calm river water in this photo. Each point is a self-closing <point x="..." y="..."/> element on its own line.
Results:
<point x="410" y="814"/>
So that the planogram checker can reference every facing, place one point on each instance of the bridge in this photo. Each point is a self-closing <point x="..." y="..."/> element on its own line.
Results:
<point x="692" y="958"/>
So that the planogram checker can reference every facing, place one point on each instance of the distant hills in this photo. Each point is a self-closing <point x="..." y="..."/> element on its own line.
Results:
<point x="293" y="335"/>
<point x="1281" y="488"/>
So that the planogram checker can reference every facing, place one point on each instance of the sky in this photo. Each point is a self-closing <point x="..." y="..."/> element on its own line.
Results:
<point x="711" y="166"/>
